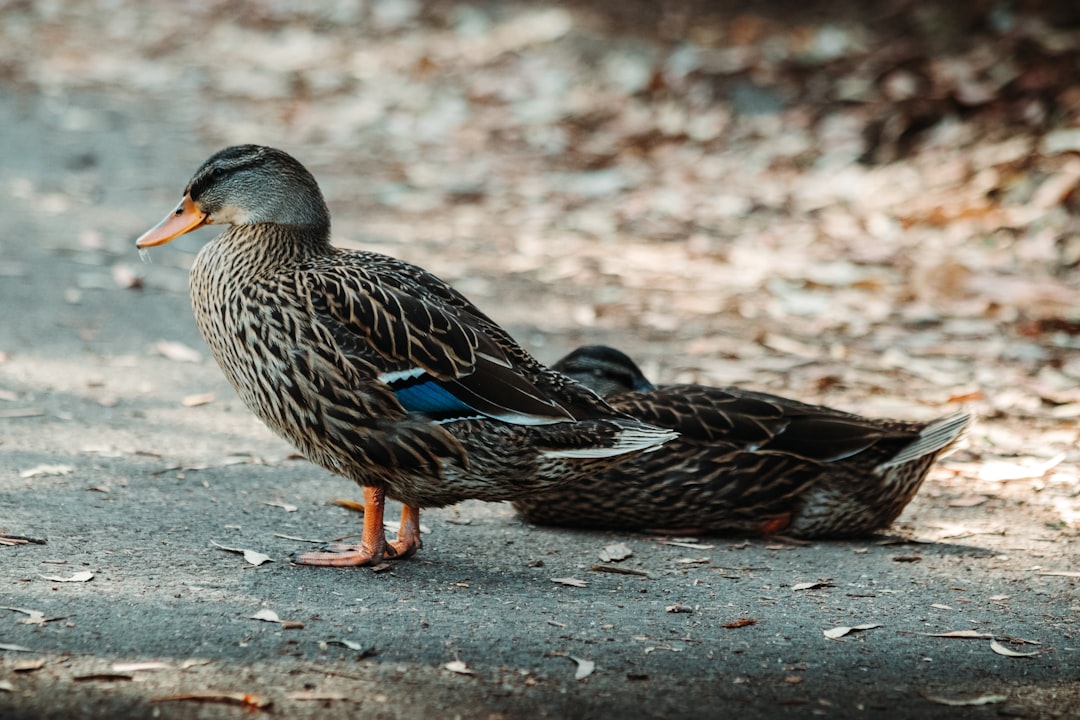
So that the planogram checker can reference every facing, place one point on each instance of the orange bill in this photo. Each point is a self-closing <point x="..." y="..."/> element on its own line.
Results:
<point x="184" y="219"/>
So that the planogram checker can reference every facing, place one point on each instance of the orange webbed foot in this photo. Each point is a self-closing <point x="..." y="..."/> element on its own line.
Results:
<point x="341" y="555"/>
<point x="408" y="537"/>
<point x="372" y="548"/>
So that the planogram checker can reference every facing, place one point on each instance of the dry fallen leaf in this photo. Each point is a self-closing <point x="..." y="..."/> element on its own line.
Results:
<point x="177" y="351"/>
<point x="690" y="545"/>
<point x="26" y="666"/>
<point x="961" y="702"/>
<point x="741" y="622"/>
<point x="584" y="667"/>
<point x="572" y="582"/>
<point x="79" y="577"/>
<point x="140" y="666"/>
<point x="655" y="648"/>
<point x="197" y="399"/>
<point x="459" y="667"/>
<point x="14" y="648"/>
<point x="256" y="558"/>
<point x="22" y="412"/>
<point x="789" y="346"/>
<point x="1002" y="650"/>
<point x="284" y="506"/>
<point x="47" y="471"/>
<point x="1027" y="469"/>
<point x="962" y="634"/>
<point x="616" y="552"/>
<point x="349" y="504"/>
<point x="841" y="630"/>
<point x="679" y="608"/>
<point x="252" y="556"/>
<point x="1062" y="573"/>
<point x="266" y="615"/>
<point x="812" y="585"/>
<point x="6" y="686"/>
<point x="36" y="617"/>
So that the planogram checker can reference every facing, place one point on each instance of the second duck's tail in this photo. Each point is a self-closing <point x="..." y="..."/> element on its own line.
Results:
<point x="937" y="437"/>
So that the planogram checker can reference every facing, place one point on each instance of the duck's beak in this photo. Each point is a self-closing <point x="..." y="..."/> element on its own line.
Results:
<point x="184" y="219"/>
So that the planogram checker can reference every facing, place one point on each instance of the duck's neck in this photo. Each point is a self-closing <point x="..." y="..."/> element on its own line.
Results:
<point x="269" y="244"/>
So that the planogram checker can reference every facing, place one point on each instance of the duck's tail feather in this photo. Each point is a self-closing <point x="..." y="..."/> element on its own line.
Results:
<point x="631" y="437"/>
<point x="935" y="438"/>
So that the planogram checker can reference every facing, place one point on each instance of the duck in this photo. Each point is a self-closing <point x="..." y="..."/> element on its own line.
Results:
<point x="744" y="462"/>
<point x="373" y="368"/>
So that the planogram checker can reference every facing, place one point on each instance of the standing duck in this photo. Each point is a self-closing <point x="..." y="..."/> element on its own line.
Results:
<point x="374" y="368"/>
<point x="744" y="462"/>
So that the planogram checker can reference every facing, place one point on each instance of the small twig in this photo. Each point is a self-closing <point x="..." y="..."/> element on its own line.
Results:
<point x="299" y="539"/>
<point x="21" y="413"/>
<point x="21" y="540"/>
<point x="615" y="570"/>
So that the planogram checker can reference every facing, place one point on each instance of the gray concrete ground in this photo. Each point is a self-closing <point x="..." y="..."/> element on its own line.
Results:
<point x="101" y="459"/>
<point x="120" y="459"/>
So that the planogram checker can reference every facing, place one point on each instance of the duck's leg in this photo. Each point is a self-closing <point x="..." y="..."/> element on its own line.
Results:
<point x="408" y="536"/>
<point x="372" y="545"/>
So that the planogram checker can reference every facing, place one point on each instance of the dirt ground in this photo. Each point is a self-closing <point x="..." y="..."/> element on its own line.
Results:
<point x="872" y="208"/>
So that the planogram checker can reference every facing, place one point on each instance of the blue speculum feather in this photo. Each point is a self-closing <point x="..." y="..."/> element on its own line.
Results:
<point x="430" y="398"/>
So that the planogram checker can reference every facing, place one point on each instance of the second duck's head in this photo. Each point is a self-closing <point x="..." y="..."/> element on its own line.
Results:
<point x="246" y="185"/>
<point x="604" y="370"/>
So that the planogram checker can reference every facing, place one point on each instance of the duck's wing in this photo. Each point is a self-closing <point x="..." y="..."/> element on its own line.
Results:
<point x="581" y="399"/>
<point x="758" y="422"/>
<point x="438" y="360"/>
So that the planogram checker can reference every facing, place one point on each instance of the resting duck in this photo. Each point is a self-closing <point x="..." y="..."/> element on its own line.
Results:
<point x="744" y="462"/>
<point x="374" y="368"/>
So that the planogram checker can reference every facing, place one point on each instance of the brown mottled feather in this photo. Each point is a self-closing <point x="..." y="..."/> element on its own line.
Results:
<point x="310" y="335"/>
<point x="744" y="461"/>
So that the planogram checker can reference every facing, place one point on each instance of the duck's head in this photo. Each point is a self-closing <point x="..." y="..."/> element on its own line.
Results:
<point x="245" y="185"/>
<point x="604" y="370"/>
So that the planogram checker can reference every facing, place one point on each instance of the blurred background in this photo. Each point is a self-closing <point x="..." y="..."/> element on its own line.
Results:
<point x="874" y="206"/>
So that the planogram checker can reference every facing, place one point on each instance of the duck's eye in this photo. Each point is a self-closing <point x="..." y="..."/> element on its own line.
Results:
<point x="218" y="172"/>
